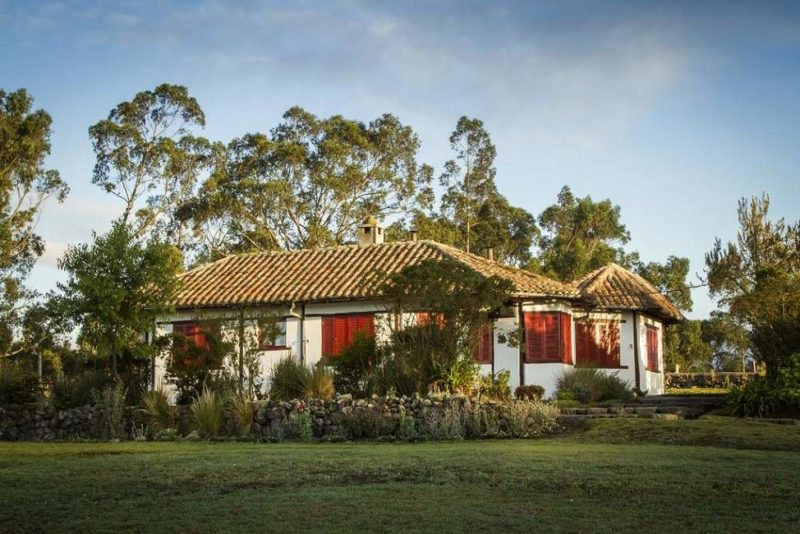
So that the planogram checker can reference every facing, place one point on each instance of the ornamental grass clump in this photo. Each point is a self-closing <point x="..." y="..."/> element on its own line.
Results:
<point x="208" y="414"/>
<point x="289" y="379"/>
<point x="160" y="413"/>
<point x="241" y="412"/>
<point x="320" y="382"/>
<point x="588" y="385"/>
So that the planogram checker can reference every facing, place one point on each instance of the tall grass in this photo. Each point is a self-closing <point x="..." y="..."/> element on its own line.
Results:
<point x="110" y="401"/>
<point x="591" y="385"/>
<point x="289" y="379"/>
<point x="241" y="411"/>
<point x="160" y="413"/>
<point x="208" y="413"/>
<point x="319" y="383"/>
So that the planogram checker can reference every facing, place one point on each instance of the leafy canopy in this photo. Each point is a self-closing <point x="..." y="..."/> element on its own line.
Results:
<point x="25" y="186"/>
<point x="757" y="278"/>
<point x="579" y="235"/>
<point x="308" y="183"/>
<point x="115" y="287"/>
<point x="149" y="157"/>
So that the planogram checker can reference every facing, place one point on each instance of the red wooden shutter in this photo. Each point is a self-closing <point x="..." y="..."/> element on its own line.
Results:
<point x="652" y="348"/>
<point x="609" y="339"/>
<point x="552" y="338"/>
<point x="484" y="351"/>
<point x="566" y="337"/>
<point x="584" y="341"/>
<point x="340" y="331"/>
<point x="534" y="330"/>
<point x="328" y="336"/>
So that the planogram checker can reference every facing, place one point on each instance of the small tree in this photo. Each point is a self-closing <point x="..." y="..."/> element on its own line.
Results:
<point x="115" y="288"/>
<point x="439" y="353"/>
<point x="758" y="278"/>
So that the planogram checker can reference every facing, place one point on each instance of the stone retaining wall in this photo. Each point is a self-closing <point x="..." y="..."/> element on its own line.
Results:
<point x="340" y="417"/>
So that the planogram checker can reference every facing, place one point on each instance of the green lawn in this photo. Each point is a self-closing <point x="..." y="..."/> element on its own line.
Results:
<point x="573" y="483"/>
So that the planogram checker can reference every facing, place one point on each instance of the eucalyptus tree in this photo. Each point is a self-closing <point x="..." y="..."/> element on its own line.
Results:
<point x="310" y="181"/>
<point x="25" y="187"/>
<point x="579" y="235"/>
<point x="149" y="156"/>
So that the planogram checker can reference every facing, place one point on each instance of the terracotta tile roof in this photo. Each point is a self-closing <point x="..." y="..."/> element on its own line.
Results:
<point x="614" y="287"/>
<point x="330" y="274"/>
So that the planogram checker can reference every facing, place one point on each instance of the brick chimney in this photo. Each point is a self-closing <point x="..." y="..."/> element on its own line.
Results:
<point x="370" y="232"/>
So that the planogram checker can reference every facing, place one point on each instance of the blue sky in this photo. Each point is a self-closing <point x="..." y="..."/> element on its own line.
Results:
<point x="672" y="110"/>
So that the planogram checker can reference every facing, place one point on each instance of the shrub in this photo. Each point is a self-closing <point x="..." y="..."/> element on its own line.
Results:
<point x="18" y="385"/>
<point x="365" y="424"/>
<point x="207" y="413"/>
<point x="320" y="383"/>
<point x="72" y="392"/>
<point x="297" y="426"/>
<point x="353" y="365"/>
<point x="167" y="434"/>
<point x="530" y="392"/>
<point x="496" y="386"/>
<point x="444" y="424"/>
<point x="241" y="411"/>
<point x="527" y="419"/>
<point x="289" y="379"/>
<point x="110" y="401"/>
<point x="160" y="413"/>
<point x="304" y="426"/>
<point x="759" y="398"/>
<point x="591" y="385"/>
<point x="191" y="367"/>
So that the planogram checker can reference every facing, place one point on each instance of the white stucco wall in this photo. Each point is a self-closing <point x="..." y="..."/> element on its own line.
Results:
<point x="506" y="357"/>
<point x="652" y="382"/>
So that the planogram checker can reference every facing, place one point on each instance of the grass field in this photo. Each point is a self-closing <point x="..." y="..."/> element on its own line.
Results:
<point x="611" y="478"/>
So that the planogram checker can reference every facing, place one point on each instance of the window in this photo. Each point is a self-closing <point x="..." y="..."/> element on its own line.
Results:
<point x="426" y="318"/>
<point x="484" y="351"/>
<point x="191" y="332"/>
<point x="597" y="343"/>
<point x="652" y="349"/>
<point x="339" y="331"/>
<point x="271" y="335"/>
<point x="548" y="337"/>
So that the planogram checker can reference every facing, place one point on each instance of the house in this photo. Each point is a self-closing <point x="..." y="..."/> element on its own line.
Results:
<point x="321" y="298"/>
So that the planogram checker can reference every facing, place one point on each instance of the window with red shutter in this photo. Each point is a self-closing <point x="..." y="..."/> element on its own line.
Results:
<point x="339" y="331"/>
<point x="548" y="337"/>
<point x="652" y="349"/>
<point x="484" y="351"/>
<point x="597" y="343"/>
<point x="192" y="332"/>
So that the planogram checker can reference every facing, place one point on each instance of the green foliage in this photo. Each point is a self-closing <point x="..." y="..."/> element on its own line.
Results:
<point x="496" y="386"/>
<point x="529" y="392"/>
<point x="365" y="424"/>
<point x="353" y="365"/>
<point x="25" y="187"/>
<point x="160" y="413"/>
<point x="110" y="406"/>
<point x="579" y="235"/>
<point x="305" y="428"/>
<point x="308" y="183"/>
<point x="685" y="348"/>
<point x="320" y="383"/>
<point x="473" y="215"/>
<point x="438" y="355"/>
<point x="148" y="157"/>
<point x="114" y="290"/>
<point x="530" y="418"/>
<point x="758" y="279"/>
<point x="728" y="341"/>
<point x="670" y="279"/>
<point x="242" y="412"/>
<point x="72" y="392"/>
<point x="591" y="385"/>
<point x="289" y="379"/>
<point x="191" y="368"/>
<point x="18" y="385"/>
<point x="759" y="397"/>
<point x="208" y="413"/>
